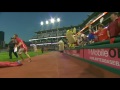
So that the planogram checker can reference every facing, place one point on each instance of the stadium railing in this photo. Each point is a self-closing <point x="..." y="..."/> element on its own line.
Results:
<point x="105" y="42"/>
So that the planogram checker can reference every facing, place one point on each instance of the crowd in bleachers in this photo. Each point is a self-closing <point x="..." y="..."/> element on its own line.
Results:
<point x="50" y="34"/>
<point x="103" y="33"/>
<point x="108" y="33"/>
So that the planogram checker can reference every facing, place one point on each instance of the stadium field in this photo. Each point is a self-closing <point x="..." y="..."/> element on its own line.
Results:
<point x="4" y="56"/>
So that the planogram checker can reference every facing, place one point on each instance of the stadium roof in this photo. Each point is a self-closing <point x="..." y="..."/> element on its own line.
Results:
<point x="90" y="17"/>
<point x="105" y="22"/>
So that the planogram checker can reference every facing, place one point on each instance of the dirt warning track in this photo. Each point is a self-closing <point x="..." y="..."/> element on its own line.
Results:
<point x="49" y="65"/>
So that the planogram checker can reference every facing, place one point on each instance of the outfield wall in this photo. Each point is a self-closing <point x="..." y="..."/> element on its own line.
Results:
<point x="101" y="55"/>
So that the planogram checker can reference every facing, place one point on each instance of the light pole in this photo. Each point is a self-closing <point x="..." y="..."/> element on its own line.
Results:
<point x="42" y="23"/>
<point x="58" y="20"/>
<point x="52" y="21"/>
<point x="47" y="23"/>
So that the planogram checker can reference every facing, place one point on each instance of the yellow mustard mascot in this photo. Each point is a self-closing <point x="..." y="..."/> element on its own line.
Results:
<point x="70" y="36"/>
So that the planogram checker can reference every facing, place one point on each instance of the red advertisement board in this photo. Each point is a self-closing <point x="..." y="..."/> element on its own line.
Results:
<point x="107" y="56"/>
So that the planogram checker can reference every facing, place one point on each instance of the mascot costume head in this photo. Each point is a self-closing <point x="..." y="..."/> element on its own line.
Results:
<point x="71" y="37"/>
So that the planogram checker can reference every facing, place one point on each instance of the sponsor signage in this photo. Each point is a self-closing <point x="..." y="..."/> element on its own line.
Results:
<point x="107" y="56"/>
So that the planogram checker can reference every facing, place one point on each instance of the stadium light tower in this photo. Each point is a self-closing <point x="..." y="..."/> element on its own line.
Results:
<point x="47" y="23"/>
<point x="52" y="20"/>
<point x="58" y="20"/>
<point x="42" y="23"/>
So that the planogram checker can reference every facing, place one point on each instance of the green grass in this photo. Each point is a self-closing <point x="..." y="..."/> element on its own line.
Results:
<point x="4" y="56"/>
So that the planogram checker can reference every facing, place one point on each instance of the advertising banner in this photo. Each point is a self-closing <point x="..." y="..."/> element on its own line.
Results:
<point x="107" y="56"/>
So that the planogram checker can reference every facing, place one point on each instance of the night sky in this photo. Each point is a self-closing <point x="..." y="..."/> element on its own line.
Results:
<point x="26" y="23"/>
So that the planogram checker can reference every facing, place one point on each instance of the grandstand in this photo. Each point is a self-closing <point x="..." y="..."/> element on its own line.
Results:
<point x="49" y="38"/>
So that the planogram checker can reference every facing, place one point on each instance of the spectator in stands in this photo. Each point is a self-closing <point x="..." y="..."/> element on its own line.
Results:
<point x="79" y="39"/>
<point x="114" y="26"/>
<point x="96" y="38"/>
<point x="85" y="40"/>
<point x="82" y="39"/>
<point x="102" y="33"/>
<point x="91" y="37"/>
